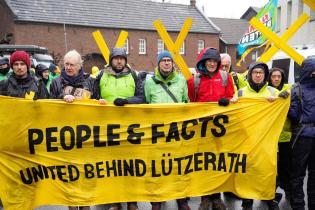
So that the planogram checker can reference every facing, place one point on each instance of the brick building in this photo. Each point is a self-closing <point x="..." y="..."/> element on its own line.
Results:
<point x="64" y="25"/>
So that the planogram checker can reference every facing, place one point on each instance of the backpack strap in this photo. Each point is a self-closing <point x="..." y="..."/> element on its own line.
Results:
<point x="299" y="95"/>
<point x="196" y="84"/>
<point x="224" y="76"/>
<point x="235" y="79"/>
<point x="166" y="89"/>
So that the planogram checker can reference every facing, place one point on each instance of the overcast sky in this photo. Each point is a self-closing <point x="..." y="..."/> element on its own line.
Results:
<point x="224" y="8"/>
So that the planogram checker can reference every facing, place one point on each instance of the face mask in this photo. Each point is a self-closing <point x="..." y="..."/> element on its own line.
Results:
<point x="5" y="70"/>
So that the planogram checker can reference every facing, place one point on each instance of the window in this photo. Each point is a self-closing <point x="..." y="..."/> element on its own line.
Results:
<point x="289" y="13"/>
<point x="182" y="49"/>
<point x="142" y="46"/>
<point x="201" y="45"/>
<point x="126" y="46"/>
<point x="278" y="24"/>
<point x="160" y="46"/>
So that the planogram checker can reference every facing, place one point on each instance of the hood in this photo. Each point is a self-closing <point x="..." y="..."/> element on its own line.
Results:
<point x="308" y="66"/>
<point x="251" y="83"/>
<point x="282" y="77"/>
<point x="117" y="52"/>
<point x="208" y="53"/>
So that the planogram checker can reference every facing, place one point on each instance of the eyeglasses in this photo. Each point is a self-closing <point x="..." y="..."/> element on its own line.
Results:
<point x="71" y="65"/>
<point x="258" y="72"/>
<point x="166" y="60"/>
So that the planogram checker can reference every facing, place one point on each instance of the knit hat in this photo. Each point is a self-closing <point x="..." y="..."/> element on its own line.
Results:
<point x="162" y="55"/>
<point x="4" y="60"/>
<point x="20" y="56"/>
<point x="40" y="68"/>
<point x="52" y="68"/>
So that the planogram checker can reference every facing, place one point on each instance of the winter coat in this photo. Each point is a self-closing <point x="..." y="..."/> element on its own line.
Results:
<point x="265" y="91"/>
<point x="211" y="88"/>
<point x="5" y="76"/>
<point x="110" y="85"/>
<point x="20" y="87"/>
<point x="83" y="89"/>
<point x="154" y="92"/>
<point x="302" y="108"/>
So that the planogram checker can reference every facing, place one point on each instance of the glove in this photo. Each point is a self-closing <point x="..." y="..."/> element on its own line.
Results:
<point x="120" y="101"/>
<point x="285" y="94"/>
<point x="223" y="102"/>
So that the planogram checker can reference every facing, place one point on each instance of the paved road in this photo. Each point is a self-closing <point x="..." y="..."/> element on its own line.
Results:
<point x="232" y="204"/>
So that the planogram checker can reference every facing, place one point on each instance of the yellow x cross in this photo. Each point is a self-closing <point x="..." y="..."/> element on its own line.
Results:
<point x="310" y="3"/>
<point x="103" y="46"/>
<point x="174" y="48"/>
<point x="278" y="42"/>
<point x="285" y="37"/>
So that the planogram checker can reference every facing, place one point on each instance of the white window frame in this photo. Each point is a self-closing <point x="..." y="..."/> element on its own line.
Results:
<point x="160" y="46"/>
<point x="142" y="47"/>
<point x="182" y="49"/>
<point x="126" y="46"/>
<point x="201" y="45"/>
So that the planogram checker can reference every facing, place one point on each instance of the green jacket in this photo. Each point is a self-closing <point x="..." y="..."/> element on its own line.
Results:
<point x="6" y="76"/>
<point x="110" y="85"/>
<point x="241" y="82"/>
<point x="154" y="93"/>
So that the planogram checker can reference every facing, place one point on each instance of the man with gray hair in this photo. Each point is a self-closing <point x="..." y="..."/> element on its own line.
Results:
<point x="226" y="65"/>
<point x="73" y="82"/>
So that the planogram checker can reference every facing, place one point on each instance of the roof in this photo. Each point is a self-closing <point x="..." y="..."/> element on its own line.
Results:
<point x="250" y="12"/>
<point x="123" y="14"/>
<point x="232" y="29"/>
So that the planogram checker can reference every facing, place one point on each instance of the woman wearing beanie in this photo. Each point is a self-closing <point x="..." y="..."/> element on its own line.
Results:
<point x="42" y="72"/>
<point x="73" y="83"/>
<point x="21" y="83"/>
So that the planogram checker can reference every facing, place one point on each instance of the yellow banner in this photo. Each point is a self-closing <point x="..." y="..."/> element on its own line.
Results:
<point x="87" y="154"/>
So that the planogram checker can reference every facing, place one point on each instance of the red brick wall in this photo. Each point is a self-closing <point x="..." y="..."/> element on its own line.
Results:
<point x="6" y="20"/>
<point x="80" y="38"/>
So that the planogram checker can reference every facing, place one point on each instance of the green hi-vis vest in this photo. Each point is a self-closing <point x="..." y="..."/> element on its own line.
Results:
<point x="112" y="87"/>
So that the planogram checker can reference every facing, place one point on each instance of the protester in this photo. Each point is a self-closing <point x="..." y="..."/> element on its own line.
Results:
<point x="210" y="84"/>
<point x="118" y="83"/>
<point x="73" y="82"/>
<point x="166" y="86"/>
<point x="257" y="86"/>
<point x="277" y="80"/>
<point x="226" y="65"/>
<point x="54" y="71"/>
<point x="5" y="69"/>
<point x="22" y="83"/>
<point x="302" y="116"/>
<point x="42" y="72"/>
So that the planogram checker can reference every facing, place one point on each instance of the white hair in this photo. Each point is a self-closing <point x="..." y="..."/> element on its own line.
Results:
<point x="225" y="55"/>
<point x="74" y="53"/>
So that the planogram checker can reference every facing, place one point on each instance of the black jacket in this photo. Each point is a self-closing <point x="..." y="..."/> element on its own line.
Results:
<point x="60" y="86"/>
<point x="19" y="87"/>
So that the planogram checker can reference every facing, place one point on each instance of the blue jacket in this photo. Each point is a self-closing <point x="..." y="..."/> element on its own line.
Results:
<point x="304" y="94"/>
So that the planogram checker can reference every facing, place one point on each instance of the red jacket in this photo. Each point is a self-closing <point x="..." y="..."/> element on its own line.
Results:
<point x="210" y="89"/>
